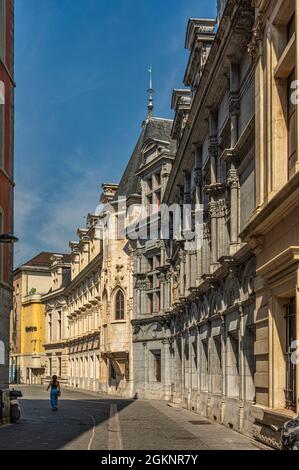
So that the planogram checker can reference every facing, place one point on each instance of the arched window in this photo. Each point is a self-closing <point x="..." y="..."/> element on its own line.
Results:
<point x="119" y="306"/>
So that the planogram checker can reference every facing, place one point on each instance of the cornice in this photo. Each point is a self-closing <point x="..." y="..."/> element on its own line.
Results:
<point x="273" y="211"/>
<point x="84" y="273"/>
<point x="218" y="59"/>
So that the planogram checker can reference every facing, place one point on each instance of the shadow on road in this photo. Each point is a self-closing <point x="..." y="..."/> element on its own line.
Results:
<point x="71" y="427"/>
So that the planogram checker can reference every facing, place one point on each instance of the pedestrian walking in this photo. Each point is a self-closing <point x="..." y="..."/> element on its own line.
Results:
<point x="55" y="392"/>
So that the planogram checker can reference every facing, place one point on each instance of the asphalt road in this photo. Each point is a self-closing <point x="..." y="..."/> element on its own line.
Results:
<point x="87" y="421"/>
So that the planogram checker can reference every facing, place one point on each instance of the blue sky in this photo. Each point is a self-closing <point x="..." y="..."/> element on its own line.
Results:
<point x="81" y="73"/>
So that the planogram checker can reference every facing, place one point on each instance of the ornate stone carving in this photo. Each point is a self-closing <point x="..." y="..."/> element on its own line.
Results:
<point x="254" y="47"/>
<point x="213" y="147"/>
<point x="234" y="103"/>
<point x="198" y="179"/>
<point x="206" y="231"/>
<point x="233" y="179"/>
<point x="221" y="208"/>
<point x="213" y="209"/>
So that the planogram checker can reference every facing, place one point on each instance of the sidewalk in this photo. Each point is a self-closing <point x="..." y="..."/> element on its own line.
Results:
<point x="213" y="435"/>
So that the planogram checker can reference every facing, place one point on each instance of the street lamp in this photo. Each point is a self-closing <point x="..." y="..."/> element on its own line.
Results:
<point x="8" y="238"/>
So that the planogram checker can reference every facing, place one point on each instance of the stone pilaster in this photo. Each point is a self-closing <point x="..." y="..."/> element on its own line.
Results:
<point x="233" y="180"/>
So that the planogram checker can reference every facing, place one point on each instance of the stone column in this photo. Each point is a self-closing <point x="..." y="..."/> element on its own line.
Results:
<point x="198" y="361"/>
<point x="182" y="368"/>
<point x="242" y="352"/>
<point x="213" y="154"/>
<point x="182" y="273"/>
<point x="233" y="179"/>
<point x="224" y="365"/>
<point x="206" y="249"/>
<point x="213" y="215"/>
<point x="187" y="225"/>
<point x="166" y="369"/>
<point x="146" y="368"/>
<point x="222" y="227"/>
<point x="162" y="291"/>
<point x="213" y="145"/>
<point x="198" y="205"/>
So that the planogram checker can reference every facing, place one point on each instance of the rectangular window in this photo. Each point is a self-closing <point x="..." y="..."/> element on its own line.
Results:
<point x="217" y="340"/>
<point x="112" y="372"/>
<point x="149" y="205"/>
<point x="158" y="302"/>
<point x="150" y="264"/>
<point x="150" y="283"/>
<point x="292" y="139"/>
<point x="59" y="366"/>
<point x="50" y="327"/>
<point x="150" y="304"/>
<point x="59" y="326"/>
<point x="204" y="363"/>
<point x="290" y="387"/>
<point x="149" y="184"/>
<point x="158" y="199"/>
<point x="157" y="366"/>
<point x="50" y="366"/>
<point x="233" y="364"/>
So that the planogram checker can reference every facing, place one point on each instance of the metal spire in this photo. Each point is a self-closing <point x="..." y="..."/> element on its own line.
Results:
<point x="150" y="92"/>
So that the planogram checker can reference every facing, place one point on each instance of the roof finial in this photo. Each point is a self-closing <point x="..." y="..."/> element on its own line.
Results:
<point x="150" y="92"/>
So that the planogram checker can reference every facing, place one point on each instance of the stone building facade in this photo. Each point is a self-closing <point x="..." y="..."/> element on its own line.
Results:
<point x="32" y="280"/>
<point x="116" y="293"/>
<point x="272" y="229"/>
<point x="198" y="348"/>
<point x="89" y="306"/>
<point x="150" y="285"/>
<point x="81" y="311"/>
<point x="56" y="321"/>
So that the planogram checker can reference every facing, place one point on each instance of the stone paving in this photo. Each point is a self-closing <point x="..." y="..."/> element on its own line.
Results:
<point x="90" y="421"/>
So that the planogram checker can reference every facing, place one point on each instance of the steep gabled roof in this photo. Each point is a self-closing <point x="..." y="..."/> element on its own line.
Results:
<point x="153" y="128"/>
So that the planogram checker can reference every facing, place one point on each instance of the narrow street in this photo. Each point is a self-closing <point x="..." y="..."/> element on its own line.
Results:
<point x="87" y="421"/>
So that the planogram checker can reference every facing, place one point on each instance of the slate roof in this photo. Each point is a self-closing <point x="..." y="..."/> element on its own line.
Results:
<point x="154" y="128"/>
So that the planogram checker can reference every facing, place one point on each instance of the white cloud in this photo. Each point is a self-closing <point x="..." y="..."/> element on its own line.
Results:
<point x="27" y="202"/>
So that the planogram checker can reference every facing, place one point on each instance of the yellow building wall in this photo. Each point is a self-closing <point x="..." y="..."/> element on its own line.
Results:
<point x="33" y="328"/>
